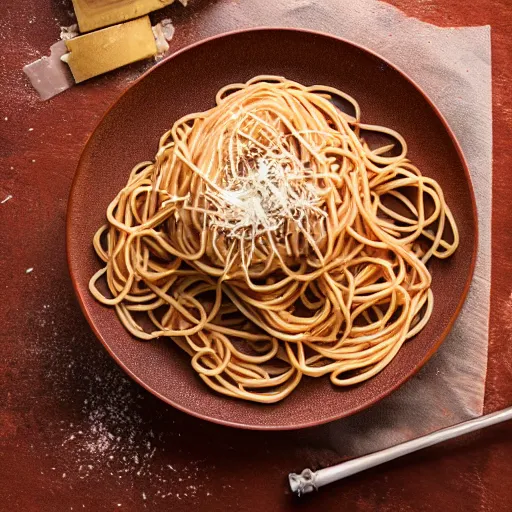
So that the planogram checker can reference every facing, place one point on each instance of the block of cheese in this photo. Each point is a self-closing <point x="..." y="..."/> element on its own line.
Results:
<point x="93" y="14"/>
<point x="110" y="48"/>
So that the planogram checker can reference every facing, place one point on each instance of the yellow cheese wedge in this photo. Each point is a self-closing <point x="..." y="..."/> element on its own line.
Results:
<point x="110" y="48"/>
<point x="93" y="14"/>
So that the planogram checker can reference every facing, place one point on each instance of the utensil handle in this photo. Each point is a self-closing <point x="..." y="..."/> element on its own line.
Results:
<point x="308" y="480"/>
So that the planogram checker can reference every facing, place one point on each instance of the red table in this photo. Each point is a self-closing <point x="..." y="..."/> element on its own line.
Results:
<point x="76" y="434"/>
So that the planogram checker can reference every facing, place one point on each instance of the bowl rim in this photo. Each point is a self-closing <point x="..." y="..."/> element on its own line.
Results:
<point x="296" y="425"/>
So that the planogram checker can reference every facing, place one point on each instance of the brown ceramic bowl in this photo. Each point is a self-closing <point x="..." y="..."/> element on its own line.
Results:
<point x="187" y="82"/>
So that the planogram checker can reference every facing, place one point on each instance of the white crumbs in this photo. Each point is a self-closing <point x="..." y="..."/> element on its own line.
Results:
<point x="111" y="436"/>
<point x="70" y="32"/>
<point x="167" y="29"/>
<point x="70" y="438"/>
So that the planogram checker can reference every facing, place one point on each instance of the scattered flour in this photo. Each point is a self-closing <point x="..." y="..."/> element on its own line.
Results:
<point x="111" y="436"/>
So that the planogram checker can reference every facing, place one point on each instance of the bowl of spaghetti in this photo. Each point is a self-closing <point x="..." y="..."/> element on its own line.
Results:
<point x="272" y="243"/>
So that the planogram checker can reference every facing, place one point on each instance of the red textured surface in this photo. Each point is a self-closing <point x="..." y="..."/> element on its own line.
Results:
<point x="57" y="380"/>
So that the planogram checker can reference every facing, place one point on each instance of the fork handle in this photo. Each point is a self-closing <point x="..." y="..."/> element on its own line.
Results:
<point x="308" y="480"/>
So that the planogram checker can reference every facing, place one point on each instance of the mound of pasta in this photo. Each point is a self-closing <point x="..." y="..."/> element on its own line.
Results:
<point x="270" y="240"/>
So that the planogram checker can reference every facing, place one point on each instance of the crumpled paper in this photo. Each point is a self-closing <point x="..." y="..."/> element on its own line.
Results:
<point x="453" y="66"/>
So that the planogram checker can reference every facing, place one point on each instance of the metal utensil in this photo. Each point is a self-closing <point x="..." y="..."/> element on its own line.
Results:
<point x="308" y="480"/>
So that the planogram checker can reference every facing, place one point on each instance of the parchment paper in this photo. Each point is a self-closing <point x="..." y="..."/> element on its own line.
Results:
<point x="453" y="66"/>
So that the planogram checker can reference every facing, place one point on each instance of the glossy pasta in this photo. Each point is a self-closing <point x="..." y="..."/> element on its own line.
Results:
<point x="271" y="239"/>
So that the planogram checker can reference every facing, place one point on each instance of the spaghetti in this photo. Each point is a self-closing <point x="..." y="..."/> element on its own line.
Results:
<point x="270" y="240"/>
